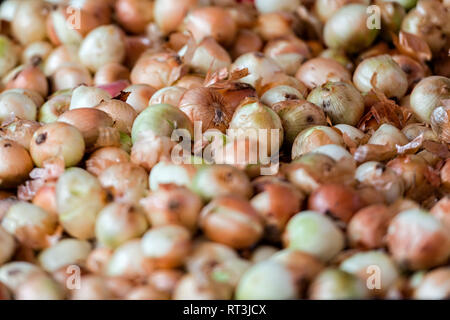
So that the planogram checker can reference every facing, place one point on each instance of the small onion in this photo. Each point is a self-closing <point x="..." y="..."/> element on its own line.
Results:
<point x="30" y="224"/>
<point x="7" y="246"/>
<point x="209" y="56"/>
<point x="336" y="200"/>
<point x="280" y="93"/>
<point x="92" y="288"/>
<point x="413" y="130"/>
<point x="146" y="292"/>
<point x="134" y="15"/>
<point x="193" y="287"/>
<point x="440" y="122"/>
<point x="126" y="181"/>
<point x="122" y="114"/>
<point x="434" y="285"/>
<point x="88" y="97"/>
<point x="382" y="73"/>
<point x="13" y="274"/>
<point x="149" y="149"/>
<point x="368" y="227"/>
<point x="341" y="101"/>
<point x="36" y="50"/>
<point x="70" y="75"/>
<point x="60" y="56"/>
<point x="28" y="24"/>
<point x="314" y="233"/>
<point x="172" y="204"/>
<point x="441" y="211"/>
<point x="428" y="95"/>
<point x="117" y="223"/>
<point x="232" y="221"/>
<point x="246" y="41"/>
<point x="110" y="73"/>
<point x="56" y="105"/>
<point x="336" y="152"/>
<point x="39" y="287"/>
<point x="15" y="104"/>
<point x="265" y="6"/>
<point x="139" y="97"/>
<point x="211" y="181"/>
<point x="105" y="157"/>
<point x="98" y="259"/>
<point x="57" y="139"/>
<point x="190" y="81"/>
<point x="169" y="95"/>
<point x="347" y="29"/>
<point x="314" y="137"/>
<point x="169" y="14"/>
<point x="167" y="246"/>
<point x="417" y="240"/>
<point x="16" y="164"/>
<point x="165" y="172"/>
<point x="388" y="135"/>
<point x="79" y="198"/>
<point x="352" y="133"/>
<point x="335" y="284"/>
<point x="112" y="48"/>
<point x="165" y="280"/>
<point x="273" y="25"/>
<point x="318" y="71"/>
<point x="28" y="77"/>
<point x="298" y="115"/>
<point x="64" y="253"/>
<point x="8" y="56"/>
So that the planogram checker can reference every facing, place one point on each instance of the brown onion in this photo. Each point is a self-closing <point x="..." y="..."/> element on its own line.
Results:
<point x="45" y="198"/>
<point x="168" y="95"/>
<point x="120" y="112"/>
<point x="110" y="73"/>
<point x="440" y="122"/>
<point x="314" y="137"/>
<point x="27" y="77"/>
<point x="28" y="24"/>
<point x="139" y="97"/>
<point x="318" y="71"/>
<point x="70" y="75"/>
<point x="441" y="210"/>
<point x="190" y="81"/>
<point x="209" y="56"/>
<point x="20" y="131"/>
<point x="134" y="15"/>
<point x="105" y="157"/>
<point x="289" y="53"/>
<point x="246" y="41"/>
<point x="169" y="14"/>
<point x="274" y="25"/>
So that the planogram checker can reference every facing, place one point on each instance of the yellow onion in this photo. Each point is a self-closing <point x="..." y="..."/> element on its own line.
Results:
<point x="297" y="115"/>
<point x="139" y="97"/>
<point x="165" y="281"/>
<point x="427" y="95"/>
<point x="314" y="137"/>
<point x="117" y="223"/>
<point x="264" y="6"/>
<point x="352" y="133"/>
<point x="70" y="75"/>
<point x="252" y="116"/>
<point x="41" y="287"/>
<point x="112" y="48"/>
<point x="169" y="14"/>
<point x="97" y="260"/>
<point x="339" y="56"/>
<point x="210" y="21"/>
<point x="158" y="69"/>
<point x="45" y="198"/>
<point x="57" y="139"/>
<point x="30" y="224"/>
<point x="168" y="95"/>
<point x="166" y="246"/>
<point x="318" y="71"/>
<point x="207" y="107"/>
<point x="273" y="25"/>
<point x="190" y="81"/>
<point x="243" y="14"/>
<point x="325" y="9"/>
<point x="335" y="284"/>
<point x="260" y="68"/>
<point x="15" y="104"/>
<point x="381" y="73"/>
<point x="289" y="53"/>
<point x="246" y="41"/>
<point x="340" y="101"/>
<point x="20" y="131"/>
<point x="79" y="198"/>
<point x="105" y="157"/>
<point x="434" y="285"/>
<point x="413" y="130"/>
<point x="134" y="15"/>
<point x="347" y="29"/>
<point x="7" y="244"/>
<point x="414" y="70"/>
<point x="232" y="221"/>
<point x="28" y="77"/>
<point x="64" y="253"/>
<point x="388" y="135"/>
<point x="216" y="180"/>
<point x="126" y="181"/>
<point x="28" y="24"/>
<point x="93" y="288"/>
<point x="122" y="114"/>
<point x="192" y="286"/>
<point x="36" y="51"/>
<point x="166" y="172"/>
<point x="110" y="73"/>
<point x="88" y="97"/>
<point x="314" y="233"/>
<point x="14" y="273"/>
<point x="413" y="230"/>
<point x="440" y="122"/>
<point x="382" y="178"/>
<point x="209" y="56"/>
<point x="16" y="164"/>
<point x="171" y="204"/>
<point x="280" y="93"/>
<point x="8" y="56"/>
<point x="235" y="92"/>
<point x="60" y="56"/>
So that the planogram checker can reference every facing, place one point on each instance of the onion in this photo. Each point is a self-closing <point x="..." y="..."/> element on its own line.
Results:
<point x="235" y="92"/>
<point x="260" y="68"/>
<point x="122" y="114"/>
<point x="314" y="233"/>
<point x="434" y="285"/>
<point x="411" y="231"/>
<point x="149" y="149"/>
<point x="45" y="198"/>
<point x="265" y="6"/>
<point x="16" y="164"/>
<point x="146" y="292"/>
<point x="158" y="69"/>
<point x="340" y="101"/>
<point x="280" y="93"/>
<point x="98" y="259"/>
<point x="79" y="197"/>
<point x="325" y="9"/>
<point x="168" y="95"/>
<point x="165" y="280"/>
<point x="209" y="56"/>
<point x="413" y="130"/>
<point x="427" y="95"/>
<point x="340" y="56"/>
<point x="414" y="70"/>
<point x="110" y="73"/>
<point x="352" y="133"/>
<point x="382" y="178"/>
<point x="167" y="246"/>
<point x="8" y="56"/>
<point x="314" y="137"/>
<point x="335" y="284"/>
<point x="105" y="157"/>
<point x="210" y="21"/>
<point x="8" y="9"/>
<point x="139" y="97"/>
<point x="134" y="15"/>
<point x="368" y="227"/>
<point x="30" y="224"/>
<point x="60" y="56"/>
<point x="15" y="104"/>
<point x="275" y="25"/>
<point x="440" y="122"/>
<point x="57" y="139"/>
<point x="88" y="97"/>
<point x="13" y="274"/>
<point x="190" y="81"/>
<point x="103" y="45"/>
<point x="388" y="135"/>
<point x="28" y="24"/>
<point x="347" y="29"/>
<point x="64" y="253"/>
<point x="117" y="223"/>
<point x="445" y="175"/>
<point x="232" y="221"/>
<point x="169" y="14"/>
<point x="41" y="287"/>
<point x="28" y="77"/>
<point x="70" y="75"/>
<point x="93" y="288"/>
<point x="162" y="120"/>
<point x="165" y="172"/>
<point x="381" y="73"/>
<point x="20" y="131"/>
<point x="336" y="200"/>
<point x="7" y="244"/>
<point x="171" y="204"/>
<point x="288" y="53"/>
<point x="195" y="287"/>
<point x="126" y="181"/>
<point x="36" y="51"/>
<point x="318" y="71"/>
<point x="246" y="41"/>
<point x="128" y="261"/>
